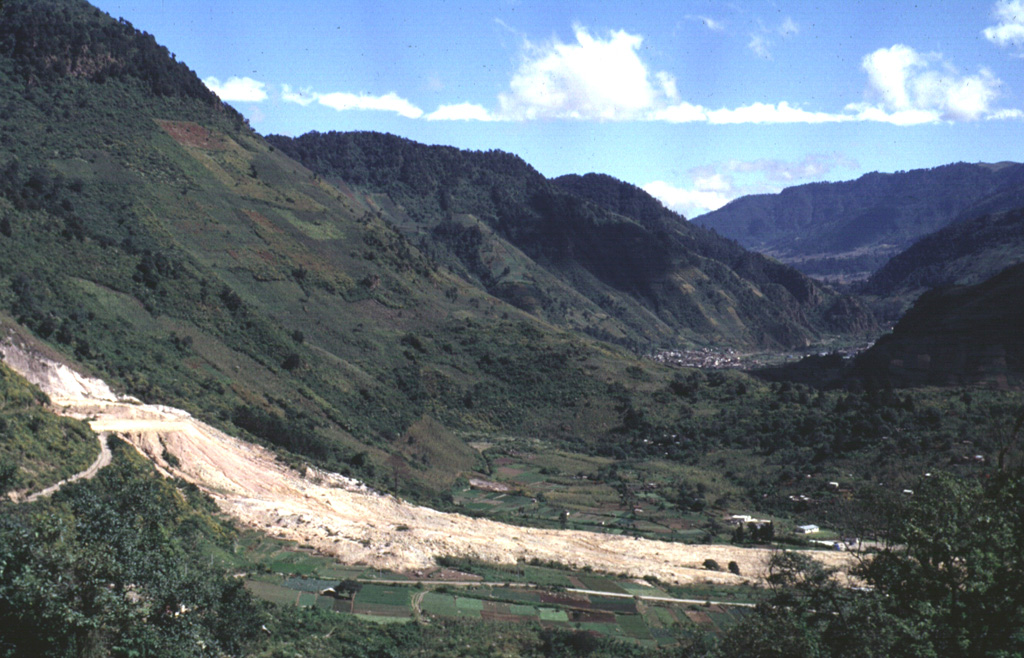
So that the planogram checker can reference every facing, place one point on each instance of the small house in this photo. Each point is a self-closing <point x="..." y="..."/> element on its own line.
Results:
<point x="809" y="529"/>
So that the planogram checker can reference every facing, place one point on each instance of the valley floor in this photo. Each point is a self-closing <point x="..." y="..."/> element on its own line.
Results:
<point x="344" y="519"/>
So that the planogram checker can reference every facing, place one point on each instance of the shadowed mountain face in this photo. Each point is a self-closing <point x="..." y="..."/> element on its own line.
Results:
<point x="848" y="230"/>
<point x="965" y="252"/>
<point x="956" y="335"/>
<point x="588" y="253"/>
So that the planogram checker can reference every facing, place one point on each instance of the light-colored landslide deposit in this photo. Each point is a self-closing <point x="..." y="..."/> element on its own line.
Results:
<point x="345" y="519"/>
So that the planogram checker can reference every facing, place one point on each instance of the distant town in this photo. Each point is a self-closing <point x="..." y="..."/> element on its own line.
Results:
<point x="721" y="359"/>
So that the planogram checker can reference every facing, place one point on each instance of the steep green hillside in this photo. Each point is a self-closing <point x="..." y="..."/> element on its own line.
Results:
<point x="848" y="230"/>
<point x="631" y="273"/>
<point x="966" y="252"/>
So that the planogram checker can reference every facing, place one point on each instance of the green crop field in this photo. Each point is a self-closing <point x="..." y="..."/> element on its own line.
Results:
<point x="273" y="593"/>
<point x="553" y="615"/>
<point x="383" y="595"/>
<point x="442" y="605"/>
<point x="601" y="584"/>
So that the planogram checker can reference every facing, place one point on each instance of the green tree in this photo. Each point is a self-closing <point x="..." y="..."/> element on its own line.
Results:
<point x="951" y="584"/>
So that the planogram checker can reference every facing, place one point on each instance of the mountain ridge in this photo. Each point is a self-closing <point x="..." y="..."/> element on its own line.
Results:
<point x="651" y="274"/>
<point x="849" y="229"/>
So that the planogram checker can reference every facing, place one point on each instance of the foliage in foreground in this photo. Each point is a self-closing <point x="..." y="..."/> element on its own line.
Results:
<point x="111" y="567"/>
<point x="951" y="585"/>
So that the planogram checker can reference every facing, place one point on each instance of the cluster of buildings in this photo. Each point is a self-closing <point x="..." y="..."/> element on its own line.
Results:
<point x="704" y="358"/>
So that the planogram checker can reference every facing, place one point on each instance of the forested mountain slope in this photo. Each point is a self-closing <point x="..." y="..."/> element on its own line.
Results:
<point x="954" y="335"/>
<point x="849" y="229"/>
<point x="965" y="252"/>
<point x="632" y="273"/>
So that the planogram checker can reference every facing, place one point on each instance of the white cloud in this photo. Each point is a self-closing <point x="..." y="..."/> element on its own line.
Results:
<point x="913" y="90"/>
<point x="813" y="166"/>
<point x="1009" y="31"/>
<point x="710" y="23"/>
<point x="303" y="97"/>
<point x="1006" y="114"/>
<point x="679" y="113"/>
<point x="594" y="78"/>
<point x="759" y="45"/>
<point x="688" y="202"/>
<point x="921" y="88"/>
<point x="764" y="113"/>
<point x="717" y="184"/>
<point x="889" y="69"/>
<point x="869" y="112"/>
<point x="237" y="89"/>
<point x="605" y="79"/>
<point x="781" y="112"/>
<point x="460" y="112"/>
<point x="391" y="102"/>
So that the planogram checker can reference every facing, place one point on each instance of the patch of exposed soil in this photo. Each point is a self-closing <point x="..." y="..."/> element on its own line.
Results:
<point x="192" y="134"/>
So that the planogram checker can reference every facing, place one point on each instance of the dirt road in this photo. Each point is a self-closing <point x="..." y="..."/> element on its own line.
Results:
<point x="343" y="518"/>
<point x="101" y="460"/>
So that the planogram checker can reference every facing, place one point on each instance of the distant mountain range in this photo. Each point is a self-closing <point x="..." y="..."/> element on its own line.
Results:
<point x="846" y="231"/>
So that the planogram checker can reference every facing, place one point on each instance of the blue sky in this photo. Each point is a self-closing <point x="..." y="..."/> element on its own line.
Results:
<point x="697" y="102"/>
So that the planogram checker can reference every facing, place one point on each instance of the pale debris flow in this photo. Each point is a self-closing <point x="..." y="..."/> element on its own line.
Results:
<point x="342" y="517"/>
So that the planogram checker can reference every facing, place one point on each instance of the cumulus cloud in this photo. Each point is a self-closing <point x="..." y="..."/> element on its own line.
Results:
<point x="460" y="112"/>
<point x="391" y="102"/>
<point x="594" y="78"/>
<point x="603" y="78"/>
<point x="235" y="89"/>
<point x="713" y="186"/>
<point x="919" y="88"/>
<point x="1009" y="30"/>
